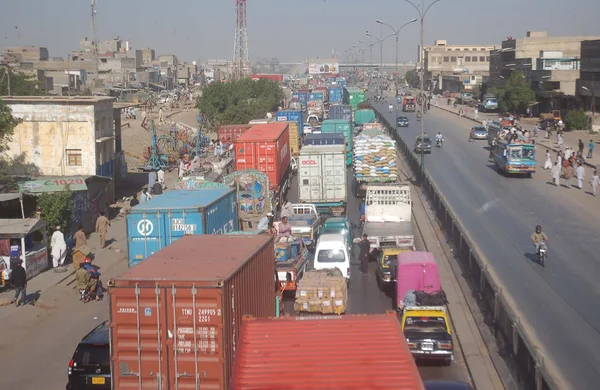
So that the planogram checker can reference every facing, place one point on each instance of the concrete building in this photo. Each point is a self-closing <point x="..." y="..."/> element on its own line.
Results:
<point x="455" y="67"/>
<point x="65" y="136"/>
<point x="17" y="54"/>
<point x="148" y="55"/>
<point x="588" y="84"/>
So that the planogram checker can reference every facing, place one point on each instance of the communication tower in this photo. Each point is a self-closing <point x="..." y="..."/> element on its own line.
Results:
<point x="241" y="58"/>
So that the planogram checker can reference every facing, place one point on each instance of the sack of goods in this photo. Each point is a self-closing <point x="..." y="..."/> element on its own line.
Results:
<point x="375" y="158"/>
<point x="323" y="291"/>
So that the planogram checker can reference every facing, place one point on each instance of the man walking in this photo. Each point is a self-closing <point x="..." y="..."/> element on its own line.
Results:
<point x="591" y="149"/>
<point x="555" y="172"/>
<point x="580" y="173"/>
<point x="595" y="181"/>
<point x="59" y="248"/>
<point x="365" y="249"/>
<point x="102" y="224"/>
<point x="569" y="171"/>
<point x="79" y="237"/>
<point x="18" y="278"/>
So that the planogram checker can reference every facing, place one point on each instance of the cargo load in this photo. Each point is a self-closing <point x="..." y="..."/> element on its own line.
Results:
<point x="353" y="96"/>
<point x="321" y="90"/>
<point x="231" y="132"/>
<point x="315" y="107"/>
<point x="323" y="291"/>
<point x="375" y="159"/>
<point x="254" y="197"/>
<point x="318" y="352"/>
<point x="325" y="139"/>
<point x="340" y="111"/>
<point x="364" y="116"/>
<point x="164" y="219"/>
<point x="301" y="95"/>
<point x="316" y="95"/>
<point x="175" y="318"/>
<point x="336" y="95"/>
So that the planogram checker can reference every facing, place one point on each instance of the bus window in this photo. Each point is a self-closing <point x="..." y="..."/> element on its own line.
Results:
<point x="528" y="154"/>
<point x="515" y="153"/>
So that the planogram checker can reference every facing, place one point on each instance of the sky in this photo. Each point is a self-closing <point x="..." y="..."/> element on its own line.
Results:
<point x="290" y="30"/>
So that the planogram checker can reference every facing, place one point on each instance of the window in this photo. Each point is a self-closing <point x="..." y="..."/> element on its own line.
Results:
<point x="474" y="59"/>
<point x="74" y="157"/>
<point x="452" y="59"/>
<point x="331" y="256"/>
<point x="449" y="49"/>
<point x="482" y="59"/>
<point x="446" y="59"/>
<point x="467" y="59"/>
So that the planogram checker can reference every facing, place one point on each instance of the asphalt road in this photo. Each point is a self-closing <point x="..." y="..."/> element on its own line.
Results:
<point x="364" y="297"/>
<point x="559" y="302"/>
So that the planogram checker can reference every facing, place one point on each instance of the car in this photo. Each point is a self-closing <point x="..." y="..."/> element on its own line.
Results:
<point x="402" y="121"/>
<point x="339" y="225"/>
<point x="89" y="367"/>
<point x="479" y="132"/>
<point x="422" y="144"/>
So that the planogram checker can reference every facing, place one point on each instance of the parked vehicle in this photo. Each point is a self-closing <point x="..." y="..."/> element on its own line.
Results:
<point x="326" y="139"/>
<point x="340" y="126"/>
<point x="332" y="252"/>
<point x="306" y="226"/>
<point x="422" y="144"/>
<point x="177" y="315"/>
<point x="89" y="368"/>
<point x="427" y="331"/>
<point x="157" y="223"/>
<point x="555" y="114"/>
<point x="316" y="95"/>
<point x="489" y="104"/>
<point x="336" y="363"/>
<point x="301" y="95"/>
<point x="387" y="263"/>
<point x="291" y="116"/>
<point x="231" y="132"/>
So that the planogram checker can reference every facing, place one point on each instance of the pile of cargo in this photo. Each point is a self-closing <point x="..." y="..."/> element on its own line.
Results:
<point x="375" y="158"/>
<point x="323" y="291"/>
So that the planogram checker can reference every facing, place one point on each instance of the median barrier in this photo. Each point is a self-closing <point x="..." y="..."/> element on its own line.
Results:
<point x="512" y="334"/>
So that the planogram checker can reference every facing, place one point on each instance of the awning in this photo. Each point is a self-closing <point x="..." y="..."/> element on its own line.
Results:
<point x="19" y="228"/>
<point x="58" y="184"/>
<point x="7" y="197"/>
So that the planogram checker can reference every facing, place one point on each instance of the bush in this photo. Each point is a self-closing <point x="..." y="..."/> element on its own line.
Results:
<point x="577" y="120"/>
<point x="57" y="209"/>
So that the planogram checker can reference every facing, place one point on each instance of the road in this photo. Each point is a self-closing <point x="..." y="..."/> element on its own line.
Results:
<point x="364" y="297"/>
<point x="560" y="301"/>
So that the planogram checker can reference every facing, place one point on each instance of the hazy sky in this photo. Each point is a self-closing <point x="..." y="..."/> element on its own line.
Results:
<point x="287" y="29"/>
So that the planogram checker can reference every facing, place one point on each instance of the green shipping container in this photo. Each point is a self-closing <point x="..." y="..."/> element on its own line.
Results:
<point x="364" y="116"/>
<point x="340" y="126"/>
<point x="353" y="96"/>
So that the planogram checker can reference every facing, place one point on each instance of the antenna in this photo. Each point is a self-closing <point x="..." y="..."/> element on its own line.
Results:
<point x="94" y="43"/>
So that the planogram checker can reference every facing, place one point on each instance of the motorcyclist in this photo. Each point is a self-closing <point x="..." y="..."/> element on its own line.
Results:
<point x="439" y="138"/>
<point x="84" y="280"/>
<point x="418" y="114"/>
<point x="391" y="108"/>
<point x="95" y="283"/>
<point x="539" y="238"/>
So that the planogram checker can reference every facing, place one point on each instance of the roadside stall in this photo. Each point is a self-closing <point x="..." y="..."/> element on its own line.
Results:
<point x="30" y="235"/>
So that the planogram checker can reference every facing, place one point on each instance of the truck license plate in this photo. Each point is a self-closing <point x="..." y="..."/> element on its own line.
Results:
<point x="98" y="380"/>
<point x="427" y="346"/>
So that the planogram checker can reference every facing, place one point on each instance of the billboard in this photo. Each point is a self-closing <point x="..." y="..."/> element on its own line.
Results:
<point x="324" y="66"/>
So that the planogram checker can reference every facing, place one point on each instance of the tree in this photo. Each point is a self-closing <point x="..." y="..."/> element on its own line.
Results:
<point x="239" y="101"/>
<point x="516" y="95"/>
<point x="20" y="84"/>
<point x="57" y="209"/>
<point x="577" y="120"/>
<point x="7" y="124"/>
<point x="411" y="77"/>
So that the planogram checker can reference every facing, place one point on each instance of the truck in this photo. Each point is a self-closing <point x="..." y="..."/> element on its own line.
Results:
<point x="408" y="104"/>
<point x="336" y="95"/>
<point x="325" y="139"/>
<point x="266" y="76"/>
<point x="340" y="111"/>
<point x="315" y="107"/>
<point x="266" y="148"/>
<point x="291" y="261"/>
<point x="388" y="216"/>
<point x="174" y="319"/>
<point x="316" y="95"/>
<point x="353" y="96"/>
<point x="364" y="116"/>
<point x="322" y="178"/>
<point x="344" y="344"/>
<point x="291" y="116"/>
<point x="162" y="220"/>
<point x="340" y="126"/>
<point x="489" y="104"/>
<point x="301" y="95"/>
<point x="375" y="159"/>
<point x="322" y="90"/>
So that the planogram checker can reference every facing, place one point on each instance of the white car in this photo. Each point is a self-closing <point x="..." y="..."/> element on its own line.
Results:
<point x="332" y="252"/>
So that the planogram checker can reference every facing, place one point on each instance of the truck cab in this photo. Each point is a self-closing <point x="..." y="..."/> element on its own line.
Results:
<point x="305" y="222"/>
<point x="387" y="263"/>
<point x="427" y="332"/>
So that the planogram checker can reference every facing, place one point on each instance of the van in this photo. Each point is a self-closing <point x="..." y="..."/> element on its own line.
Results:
<point x="332" y="252"/>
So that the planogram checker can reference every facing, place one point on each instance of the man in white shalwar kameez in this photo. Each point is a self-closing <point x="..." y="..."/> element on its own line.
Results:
<point x="59" y="248"/>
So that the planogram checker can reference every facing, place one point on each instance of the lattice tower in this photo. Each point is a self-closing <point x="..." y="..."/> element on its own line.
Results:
<point x="241" y="58"/>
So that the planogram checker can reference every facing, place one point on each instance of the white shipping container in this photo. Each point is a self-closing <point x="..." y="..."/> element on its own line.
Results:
<point x="322" y="173"/>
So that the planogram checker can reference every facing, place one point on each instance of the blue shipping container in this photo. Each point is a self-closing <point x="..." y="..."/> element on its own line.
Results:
<point x="291" y="116"/>
<point x="340" y="111"/>
<point x="154" y="224"/>
<point x="295" y="95"/>
<point x="325" y="139"/>
<point x="302" y="96"/>
<point x="316" y="96"/>
<point x="336" y="95"/>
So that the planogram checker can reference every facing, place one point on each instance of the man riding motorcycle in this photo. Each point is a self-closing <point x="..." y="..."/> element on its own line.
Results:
<point x="539" y="239"/>
<point x="391" y="108"/>
<point x="418" y="115"/>
<point x="438" y="138"/>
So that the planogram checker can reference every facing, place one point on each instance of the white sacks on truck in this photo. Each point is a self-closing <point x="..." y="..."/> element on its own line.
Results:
<point x="375" y="158"/>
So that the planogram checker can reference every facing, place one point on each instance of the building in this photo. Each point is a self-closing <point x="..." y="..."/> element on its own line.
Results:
<point x="588" y="84"/>
<point x="455" y="67"/>
<point x="65" y="136"/>
<point x="148" y="55"/>
<point x="17" y="54"/>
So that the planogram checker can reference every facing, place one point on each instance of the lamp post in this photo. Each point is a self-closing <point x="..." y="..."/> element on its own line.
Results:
<point x="422" y="13"/>
<point x="396" y="33"/>
<point x="380" y="41"/>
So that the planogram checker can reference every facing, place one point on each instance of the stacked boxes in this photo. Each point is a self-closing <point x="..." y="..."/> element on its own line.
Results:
<point x="323" y="291"/>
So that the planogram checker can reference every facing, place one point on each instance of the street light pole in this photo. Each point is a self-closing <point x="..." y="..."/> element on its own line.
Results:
<point x="397" y="34"/>
<point x="422" y="12"/>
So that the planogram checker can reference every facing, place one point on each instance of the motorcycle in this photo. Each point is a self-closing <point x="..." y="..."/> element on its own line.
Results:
<point x="439" y="142"/>
<point x="85" y="295"/>
<point x="391" y="109"/>
<point x="542" y="254"/>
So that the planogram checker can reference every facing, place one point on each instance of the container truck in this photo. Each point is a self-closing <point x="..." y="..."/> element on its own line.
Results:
<point x="315" y="107"/>
<point x="322" y="178"/>
<point x="336" y="95"/>
<point x="322" y="90"/>
<point x="408" y="104"/>
<point x="159" y="222"/>
<point x="388" y="217"/>
<point x="319" y="95"/>
<point x="375" y="158"/>
<point x="364" y="116"/>
<point x="325" y="139"/>
<point x="340" y="111"/>
<point x="353" y="96"/>
<point x="301" y="95"/>
<point x="291" y="116"/>
<point x="254" y="198"/>
<point x="266" y="148"/>
<point x="340" y="126"/>
<point x="175" y="318"/>
<point x="231" y="132"/>
<point x="327" y="352"/>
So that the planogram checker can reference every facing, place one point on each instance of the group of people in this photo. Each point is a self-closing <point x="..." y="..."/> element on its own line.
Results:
<point x="569" y="166"/>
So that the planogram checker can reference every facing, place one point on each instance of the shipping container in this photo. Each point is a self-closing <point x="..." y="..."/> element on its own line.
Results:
<point x="294" y="137"/>
<point x="291" y="116"/>
<point x="324" y="91"/>
<point x="340" y="111"/>
<point x="266" y="148"/>
<point x="353" y="96"/>
<point x="364" y="116"/>
<point x="231" y="132"/>
<point x="175" y="318"/>
<point x="265" y="76"/>
<point x="324" y="352"/>
<point x="164" y="219"/>
<point x="316" y="96"/>
<point x="336" y="94"/>
<point x="260" y="121"/>
<point x="341" y="126"/>
<point x="301" y="95"/>
<point x="325" y="139"/>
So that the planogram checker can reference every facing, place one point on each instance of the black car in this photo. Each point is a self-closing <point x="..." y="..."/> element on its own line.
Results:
<point x="402" y="121"/>
<point x="422" y="144"/>
<point x="90" y="366"/>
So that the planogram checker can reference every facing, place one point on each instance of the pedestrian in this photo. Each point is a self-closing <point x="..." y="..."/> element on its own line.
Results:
<point x="181" y="169"/>
<point x="18" y="278"/>
<point x="287" y="209"/>
<point x="59" y="247"/>
<point x="476" y="113"/>
<point x="151" y="179"/>
<point x="555" y="172"/>
<point x="560" y="139"/>
<point x="102" y="224"/>
<point x="365" y="249"/>
<point x="536" y="130"/>
<point x="580" y="145"/>
<point x="145" y="196"/>
<point x="157" y="189"/>
<point x="580" y="173"/>
<point x="460" y="112"/>
<point x="134" y="201"/>
<point x="79" y="237"/>
<point x="590" y="149"/>
<point x="160" y="175"/>
<point x="595" y="181"/>
<point x="548" y="163"/>
<point x="569" y="171"/>
<point x="491" y="157"/>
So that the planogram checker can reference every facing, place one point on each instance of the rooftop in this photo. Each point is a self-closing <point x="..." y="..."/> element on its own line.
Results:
<point x="56" y="99"/>
<point x="18" y="228"/>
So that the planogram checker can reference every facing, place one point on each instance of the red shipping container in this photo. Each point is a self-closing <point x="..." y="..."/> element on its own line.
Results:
<point x="266" y="148"/>
<point x="324" y="352"/>
<point x="273" y="77"/>
<point x="231" y="132"/>
<point x="175" y="317"/>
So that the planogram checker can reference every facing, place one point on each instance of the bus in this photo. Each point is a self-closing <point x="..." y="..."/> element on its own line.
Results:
<point x="493" y="128"/>
<point x="514" y="158"/>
